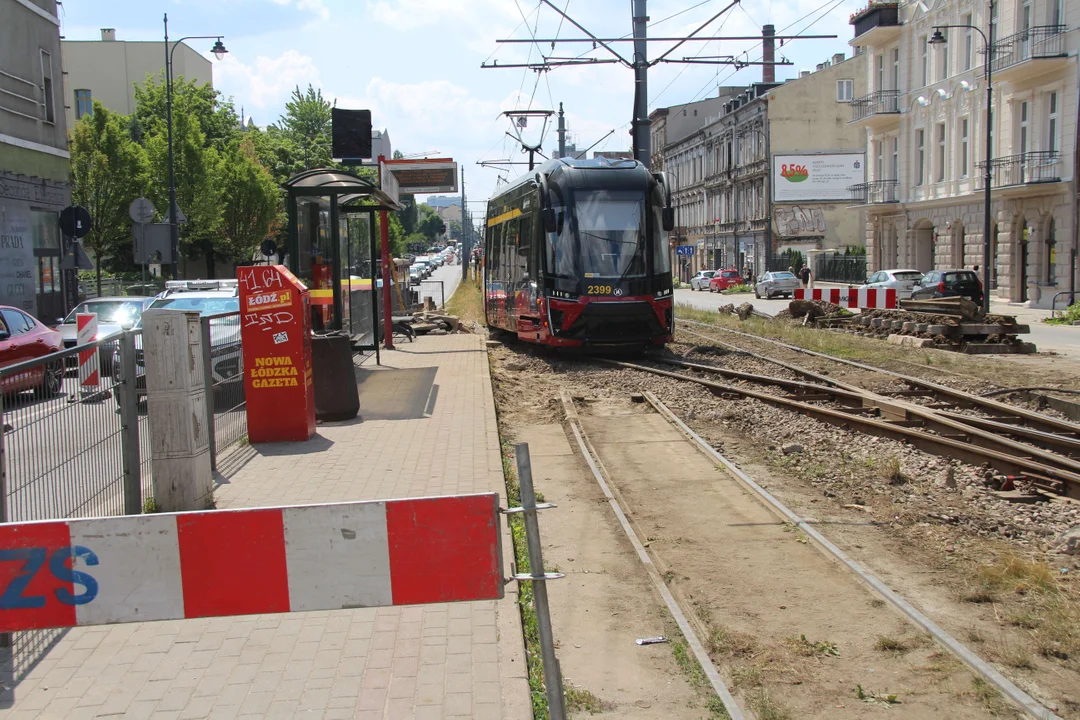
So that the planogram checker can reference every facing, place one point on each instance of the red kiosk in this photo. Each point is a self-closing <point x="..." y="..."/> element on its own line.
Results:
<point x="276" y="335"/>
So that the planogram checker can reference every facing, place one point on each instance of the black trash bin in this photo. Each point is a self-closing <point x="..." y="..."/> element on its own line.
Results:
<point x="336" y="395"/>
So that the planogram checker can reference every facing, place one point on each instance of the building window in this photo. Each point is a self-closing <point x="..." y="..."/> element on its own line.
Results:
<point x="1051" y="253"/>
<point x="1055" y="12"/>
<point x="879" y="170"/>
<point x="941" y="152"/>
<point x="844" y="90"/>
<point x="895" y="69"/>
<point x="1052" y="122"/>
<point x="83" y="104"/>
<point x="1023" y="139"/>
<point x="964" y="132"/>
<point x="880" y="59"/>
<point x="47" y="87"/>
<point x="942" y="62"/>
<point x="920" y="156"/>
<point x="925" y="61"/>
<point x="994" y="23"/>
<point x="896" y="158"/>
<point x="969" y="43"/>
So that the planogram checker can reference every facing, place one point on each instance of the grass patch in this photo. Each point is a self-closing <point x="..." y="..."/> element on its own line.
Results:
<point x="725" y="641"/>
<point x="765" y="706"/>
<point x="899" y="645"/>
<point x="467" y="304"/>
<point x="695" y="675"/>
<point x="891" y="471"/>
<point x="872" y="698"/>
<point x="581" y="700"/>
<point x="990" y="697"/>
<point x="1071" y="315"/>
<point x="821" y="648"/>
<point x="738" y="289"/>
<point x="150" y="506"/>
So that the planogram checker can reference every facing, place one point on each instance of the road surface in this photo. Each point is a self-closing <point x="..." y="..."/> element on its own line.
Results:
<point x="449" y="276"/>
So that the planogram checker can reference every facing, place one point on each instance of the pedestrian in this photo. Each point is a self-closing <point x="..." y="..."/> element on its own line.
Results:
<point x="806" y="277"/>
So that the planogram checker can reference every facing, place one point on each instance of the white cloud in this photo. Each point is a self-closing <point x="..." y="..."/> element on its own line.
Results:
<point x="268" y="82"/>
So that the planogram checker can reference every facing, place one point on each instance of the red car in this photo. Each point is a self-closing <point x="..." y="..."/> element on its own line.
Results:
<point x="23" y="338"/>
<point x="724" y="279"/>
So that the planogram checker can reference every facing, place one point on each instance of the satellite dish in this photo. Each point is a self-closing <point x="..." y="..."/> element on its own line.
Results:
<point x="141" y="210"/>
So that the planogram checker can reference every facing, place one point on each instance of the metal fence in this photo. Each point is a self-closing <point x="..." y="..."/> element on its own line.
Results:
<point x="223" y="365"/>
<point x="1031" y="167"/>
<point x="433" y="289"/>
<point x="840" y="268"/>
<point x="876" y="103"/>
<point x="1041" y="41"/>
<point x="70" y="451"/>
<point x="115" y="287"/>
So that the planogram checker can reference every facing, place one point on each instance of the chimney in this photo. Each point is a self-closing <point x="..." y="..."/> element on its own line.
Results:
<point x="803" y="73"/>
<point x="768" y="54"/>
<point x="838" y="58"/>
<point x="108" y="34"/>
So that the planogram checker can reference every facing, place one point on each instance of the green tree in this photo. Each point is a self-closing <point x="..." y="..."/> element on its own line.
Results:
<point x="198" y="172"/>
<point x="252" y="202"/>
<point x="308" y="123"/>
<point x="430" y="224"/>
<point x="108" y="171"/>
<point x="217" y="116"/>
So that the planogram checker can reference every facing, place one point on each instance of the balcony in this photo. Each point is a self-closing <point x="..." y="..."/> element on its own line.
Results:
<point x="1018" y="171"/>
<point x="876" y="24"/>
<point x="876" y="110"/>
<point x="1030" y="53"/>
<point x="877" y="192"/>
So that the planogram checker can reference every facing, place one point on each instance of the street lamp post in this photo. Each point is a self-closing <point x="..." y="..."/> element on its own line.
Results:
<point x="219" y="51"/>
<point x="939" y="39"/>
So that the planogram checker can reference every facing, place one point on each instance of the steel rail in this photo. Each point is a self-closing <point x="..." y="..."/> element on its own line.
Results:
<point x="1053" y="449"/>
<point x="1061" y="480"/>
<point x="1035" y="420"/>
<point x="973" y="661"/>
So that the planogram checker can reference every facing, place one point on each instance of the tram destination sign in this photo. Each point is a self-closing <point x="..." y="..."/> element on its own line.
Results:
<point x="424" y="177"/>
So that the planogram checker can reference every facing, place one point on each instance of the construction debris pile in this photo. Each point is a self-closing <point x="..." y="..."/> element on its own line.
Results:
<point x="944" y="323"/>
<point x="426" y="322"/>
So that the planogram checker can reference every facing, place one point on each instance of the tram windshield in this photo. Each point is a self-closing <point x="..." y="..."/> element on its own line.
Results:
<point x="611" y="232"/>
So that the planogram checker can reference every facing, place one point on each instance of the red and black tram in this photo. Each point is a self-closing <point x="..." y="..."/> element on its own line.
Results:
<point x="576" y="255"/>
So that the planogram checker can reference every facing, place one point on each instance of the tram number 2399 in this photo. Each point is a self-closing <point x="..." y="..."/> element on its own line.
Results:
<point x="598" y="290"/>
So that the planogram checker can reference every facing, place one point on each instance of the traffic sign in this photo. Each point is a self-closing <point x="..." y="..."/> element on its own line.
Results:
<point x="136" y="568"/>
<point x="75" y="221"/>
<point x="684" y="249"/>
<point x="268" y="247"/>
<point x="141" y="210"/>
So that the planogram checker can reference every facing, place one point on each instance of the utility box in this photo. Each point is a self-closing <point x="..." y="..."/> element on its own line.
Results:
<point x="275" y="327"/>
<point x="176" y="403"/>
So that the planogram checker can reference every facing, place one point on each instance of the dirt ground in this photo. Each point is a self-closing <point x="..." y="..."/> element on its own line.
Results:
<point x="935" y="536"/>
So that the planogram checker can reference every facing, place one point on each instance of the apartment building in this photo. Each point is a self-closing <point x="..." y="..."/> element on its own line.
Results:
<point x="924" y="118"/>
<point x="107" y="70"/>
<point x="34" y="159"/>
<point x="723" y="173"/>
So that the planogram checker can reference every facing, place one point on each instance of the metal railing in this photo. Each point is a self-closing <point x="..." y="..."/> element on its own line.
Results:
<point x="876" y="103"/>
<point x="67" y="451"/>
<point x="223" y="366"/>
<point x="875" y="192"/>
<point x="1025" y="168"/>
<point x="1041" y="41"/>
<point x="840" y="268"/>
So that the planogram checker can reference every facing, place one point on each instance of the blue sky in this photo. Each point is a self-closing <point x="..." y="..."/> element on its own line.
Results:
<point x="416" y="63"/>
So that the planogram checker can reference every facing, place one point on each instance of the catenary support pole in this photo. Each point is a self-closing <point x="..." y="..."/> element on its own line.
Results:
<point x="552" y="674"/>
<point x="562" y="132"/>
<point x="466" y="236"/>
<point x="642" y="150"/>
<point x="989" y="177"/>
<point x="174" y="227"/>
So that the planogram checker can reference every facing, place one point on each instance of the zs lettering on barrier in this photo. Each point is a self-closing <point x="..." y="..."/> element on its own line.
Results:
<point x="17" y="595"/>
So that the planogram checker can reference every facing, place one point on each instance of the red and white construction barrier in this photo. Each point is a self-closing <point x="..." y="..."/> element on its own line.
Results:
<point x="89" y="367"/>
<point x="239" y="562"/>
<point x="851" y="298"/>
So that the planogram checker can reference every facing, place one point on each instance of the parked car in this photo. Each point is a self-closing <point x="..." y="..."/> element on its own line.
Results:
<point x="902" y="281"/>
<point x="114" y="315"/>
<point x="723" y="279"/>
<point x="208" y="297"/>
<point x="776" y="283"/>
<point x="701" y="280"/>
<point x="949" y="283"/>
<point x="24" y="338"/>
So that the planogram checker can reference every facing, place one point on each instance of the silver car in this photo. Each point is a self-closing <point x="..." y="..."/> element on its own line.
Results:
<point x="114" y="314"/>
<point x="902" y="281"/>
<point x="701" y="280"/>
<point x="776" y="283"/>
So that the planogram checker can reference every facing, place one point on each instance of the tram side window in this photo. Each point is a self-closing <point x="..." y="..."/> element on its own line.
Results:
<point x="491" y="262"/>
<point x="560" y="246"/>
<point x="525" y="273"/>
<point x="508" y="262"/>
<point x="661" y="252"/>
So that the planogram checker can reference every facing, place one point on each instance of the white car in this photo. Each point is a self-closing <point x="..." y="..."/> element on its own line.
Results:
<point x="902" y="281"/>
<point x="776" y="283"/>
<point x="701" y="280"/>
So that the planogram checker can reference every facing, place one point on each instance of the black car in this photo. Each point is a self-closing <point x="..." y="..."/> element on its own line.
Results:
<point x="949" y="283"/>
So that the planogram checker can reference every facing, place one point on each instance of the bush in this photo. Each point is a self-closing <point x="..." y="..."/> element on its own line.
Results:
<point x="1071" y="315"/>
<point x="736" y="289"/>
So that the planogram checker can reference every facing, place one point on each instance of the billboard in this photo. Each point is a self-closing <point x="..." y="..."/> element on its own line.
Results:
<point x="350" y="134"/>
<point x="424" y="177"/>
<point x="817" y="178"/>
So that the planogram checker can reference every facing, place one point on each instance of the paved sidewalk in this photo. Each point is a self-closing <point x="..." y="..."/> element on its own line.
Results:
<point x="460" y="660"/>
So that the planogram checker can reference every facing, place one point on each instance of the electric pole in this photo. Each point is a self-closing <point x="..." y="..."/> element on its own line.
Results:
<point x="466" y="236"/>
<point x="640" y="127"/>
<point x="562" y="133"/>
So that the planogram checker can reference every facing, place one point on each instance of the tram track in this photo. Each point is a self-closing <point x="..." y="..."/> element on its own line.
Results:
<point x="1013" y="441"/>
<point x="618" y="445"/>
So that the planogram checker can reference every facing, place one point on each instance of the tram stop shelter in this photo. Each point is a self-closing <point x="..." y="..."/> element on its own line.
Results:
<point x="332" y="247"/>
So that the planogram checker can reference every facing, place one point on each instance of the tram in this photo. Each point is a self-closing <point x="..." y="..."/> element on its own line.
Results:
<point x="576" y="255"/>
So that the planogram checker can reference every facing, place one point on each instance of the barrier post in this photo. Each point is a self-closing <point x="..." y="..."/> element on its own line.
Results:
<point x="539" y="578"/>
<point x="89" y="365"/>
<point x="128" y="398"/>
